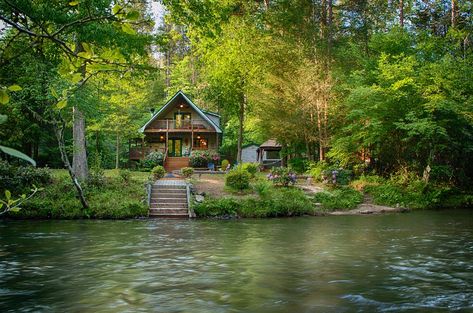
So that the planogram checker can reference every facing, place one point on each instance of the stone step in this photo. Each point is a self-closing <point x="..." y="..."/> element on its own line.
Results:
<point x="169" y="187"/>
<point x="165" y="211"/>
<point x="168" y="200"/>
<point x="169" y="195"/>
<point x="168" y="205"/>
<point x="171" y="191"/>
<point x="177" y="215"/>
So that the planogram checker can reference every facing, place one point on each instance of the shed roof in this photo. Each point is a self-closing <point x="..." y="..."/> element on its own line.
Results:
<point x="271" y="143"/>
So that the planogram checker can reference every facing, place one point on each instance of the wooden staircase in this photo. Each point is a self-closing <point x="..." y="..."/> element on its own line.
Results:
<point x="169" y="199"/>
<point x="175" y="163"/>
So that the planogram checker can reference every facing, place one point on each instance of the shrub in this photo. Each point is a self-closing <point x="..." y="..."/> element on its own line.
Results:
<point x="158" y="172"/>
<point x="199" y="158"/>
<point x="238" y="179"/>
<point x="217" y="207"/>
<point x="153" y="159"/>
<point x="96" y="177"/>
<point x="298" y="165"/>
<point x="344" y="198"/>
<point x="337" y="176"/>
<point x="316" y="170"/>
<point x="263" y="187"/>
<point x="366" y="180"/>
<point x="187" y="171"/>
<point x="19" y="179"/>
<point x="125" y="175"/>
<point x="225" y="164"/>
<point x="251" y="168"/>
<point x="282" y="176"/>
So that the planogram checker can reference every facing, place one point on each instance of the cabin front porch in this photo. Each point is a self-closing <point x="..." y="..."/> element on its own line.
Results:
<point x="176" y="147"/>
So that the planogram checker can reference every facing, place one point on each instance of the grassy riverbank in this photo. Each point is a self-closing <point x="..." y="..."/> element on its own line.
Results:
<point x="121" y="194"/>
<point x="111" y="196"/>
<point x="262" y="199"/>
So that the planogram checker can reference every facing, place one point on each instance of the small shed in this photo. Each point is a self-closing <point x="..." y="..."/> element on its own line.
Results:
<point x="249" y="153"/>
<point x="269" y="153"/>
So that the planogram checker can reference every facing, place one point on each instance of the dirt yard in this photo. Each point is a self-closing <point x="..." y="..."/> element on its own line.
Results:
<point x="212" y="184"/>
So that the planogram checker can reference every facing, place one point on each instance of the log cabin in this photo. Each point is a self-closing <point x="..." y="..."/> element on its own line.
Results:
<point x="175" y="130"/>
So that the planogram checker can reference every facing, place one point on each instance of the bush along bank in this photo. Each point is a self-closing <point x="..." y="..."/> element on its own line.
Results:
<point x="273" y="195"/>
<point x="279" y="202"/>
<point x="118" y="195"/>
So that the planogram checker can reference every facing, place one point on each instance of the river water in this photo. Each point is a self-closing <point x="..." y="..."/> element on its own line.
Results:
<point x="420" y="261"/>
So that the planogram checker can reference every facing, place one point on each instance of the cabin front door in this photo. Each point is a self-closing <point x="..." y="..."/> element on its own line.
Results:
<point x="175" y="147"/>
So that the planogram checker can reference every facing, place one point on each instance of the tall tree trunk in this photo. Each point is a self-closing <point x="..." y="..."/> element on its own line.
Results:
<point x="79" y="154"/>
<point x="454" y="13"/>
<point x="117" y="151"/>
<point x="320" y="133"/>
<point x="401" y="13"/>
<point x="329" y="30"/>
<point x="241" y="118"/>
<point x="323" y="20"/>
<point x="59" y="131"/>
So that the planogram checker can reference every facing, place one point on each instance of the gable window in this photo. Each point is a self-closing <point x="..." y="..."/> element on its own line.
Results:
<point x="183" y="120"/>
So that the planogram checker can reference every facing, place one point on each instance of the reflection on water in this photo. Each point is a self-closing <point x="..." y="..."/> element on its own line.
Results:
<point x="405" y="262"/>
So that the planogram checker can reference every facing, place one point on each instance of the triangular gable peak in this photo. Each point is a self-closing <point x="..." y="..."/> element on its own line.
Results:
<point x="181" y="103"/>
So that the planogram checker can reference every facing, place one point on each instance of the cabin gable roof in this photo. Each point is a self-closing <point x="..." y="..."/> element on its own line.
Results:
<point x="172" y="102"/>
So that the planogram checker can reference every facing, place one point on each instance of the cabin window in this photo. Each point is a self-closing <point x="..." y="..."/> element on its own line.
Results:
<point x="182" y="119"/>
<point x="272" y="154"/>
<point x="201" y="143"/>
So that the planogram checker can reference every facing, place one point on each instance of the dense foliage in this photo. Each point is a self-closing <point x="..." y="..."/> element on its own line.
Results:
<point x="363" y="87"/>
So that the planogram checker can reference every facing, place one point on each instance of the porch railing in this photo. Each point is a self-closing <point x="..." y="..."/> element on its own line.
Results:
<point x="193" y="124"/>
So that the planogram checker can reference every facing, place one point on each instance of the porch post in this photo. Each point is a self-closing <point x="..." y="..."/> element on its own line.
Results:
<point x="143" y="148"/>
<point x="167" y="138"/>
<point x="216" y="141"/>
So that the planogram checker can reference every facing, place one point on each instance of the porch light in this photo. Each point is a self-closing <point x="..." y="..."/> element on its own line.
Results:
<point x="181" y="106"/>
<point x="161" y="137"/>
<point x="198" y="136"/>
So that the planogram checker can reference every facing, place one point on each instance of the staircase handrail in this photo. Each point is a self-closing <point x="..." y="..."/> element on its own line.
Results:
<point x="165" y="155"/>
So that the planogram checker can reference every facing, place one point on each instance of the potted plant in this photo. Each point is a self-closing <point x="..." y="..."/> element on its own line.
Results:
<point x="214" y="157"/>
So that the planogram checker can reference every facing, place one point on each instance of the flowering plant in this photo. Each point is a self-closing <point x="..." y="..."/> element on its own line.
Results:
<point x="215" y="156"/>
<point x="201" y="158"/>
<point x="282" y="176"/>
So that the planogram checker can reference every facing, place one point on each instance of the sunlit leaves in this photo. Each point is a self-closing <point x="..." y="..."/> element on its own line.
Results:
<point x="133" y="15"/>
<point x="4" y="98"/>
<point x="128" y="29"/>
<point x="116" y="8"/>
<point x="61" y="104"/>
<point x="14" y="88"/>
<point x="73" y="3"/>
